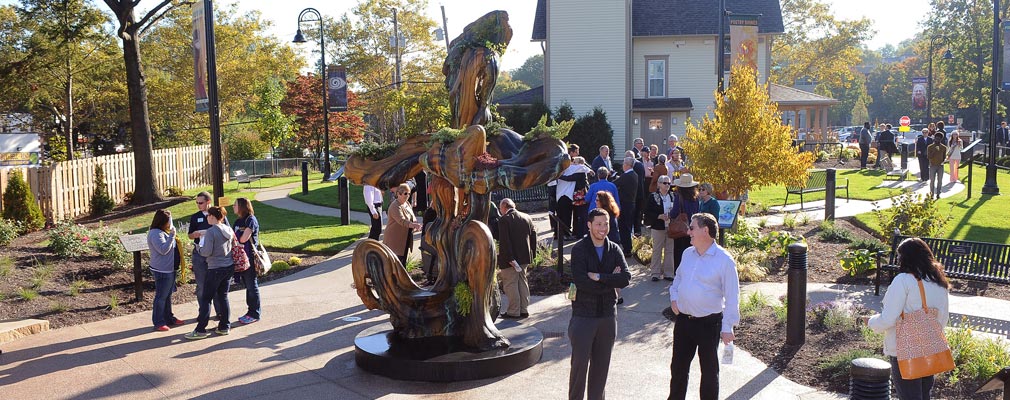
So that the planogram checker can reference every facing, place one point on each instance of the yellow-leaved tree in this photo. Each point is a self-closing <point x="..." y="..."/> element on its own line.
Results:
<point x="745" y="145"/>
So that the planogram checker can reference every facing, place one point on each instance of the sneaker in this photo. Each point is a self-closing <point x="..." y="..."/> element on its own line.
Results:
<point x="161" y="328"/>
<point x="194" y="335"/>
<point x="246" y="320"/>
<point x="222" y="332"/>
<point x="178" y="322"/>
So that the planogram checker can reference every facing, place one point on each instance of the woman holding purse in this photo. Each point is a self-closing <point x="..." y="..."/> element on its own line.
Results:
<point x="905" y="296"/>
<point x="247" y="230"/>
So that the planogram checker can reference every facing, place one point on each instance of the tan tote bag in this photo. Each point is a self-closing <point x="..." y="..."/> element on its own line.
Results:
<point x="922" y="347"/>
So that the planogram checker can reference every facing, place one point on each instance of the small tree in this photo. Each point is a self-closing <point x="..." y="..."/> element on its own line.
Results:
<point x="745" y="145"/>
<point x="19" y="205"/>
<point x="101" y="202"/>
<point x="590" y="132"/>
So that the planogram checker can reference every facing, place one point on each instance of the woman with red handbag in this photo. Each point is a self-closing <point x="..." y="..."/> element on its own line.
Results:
<point x="920" y="280"/>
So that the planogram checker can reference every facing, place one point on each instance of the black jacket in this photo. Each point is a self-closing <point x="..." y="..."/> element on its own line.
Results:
<point x="654" y="208"/>
<point x="597" y="298"/>
<point x="627" y="191"/>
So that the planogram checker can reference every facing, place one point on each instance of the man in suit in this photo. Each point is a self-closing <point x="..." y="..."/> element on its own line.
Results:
<point x="705" y="296"/>
<point x="639" y="144"/>
<point x="921" y="143"/>
<point x="640" y="195"/>
<point x="602" y="160"/>
<point x="517" y="243"/>
<point x="671" y="143"/>
<point x="627" y="192"/>
<point x="598" y="269"/>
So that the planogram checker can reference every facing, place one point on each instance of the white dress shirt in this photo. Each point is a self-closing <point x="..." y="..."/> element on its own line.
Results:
<point x="567" y="188"/>
<point x="903" y="296"/>
<point x="707" y="284"/>
<point x="372" y="196"/>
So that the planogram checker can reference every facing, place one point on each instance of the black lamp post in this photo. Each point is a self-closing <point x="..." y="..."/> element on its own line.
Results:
<point x="929" y="90"/>
<point x="990" y="186"/>
<point x="299" y="38"/>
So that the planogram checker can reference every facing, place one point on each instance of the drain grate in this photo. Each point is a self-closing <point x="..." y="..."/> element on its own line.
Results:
<point x="554" y="335"/>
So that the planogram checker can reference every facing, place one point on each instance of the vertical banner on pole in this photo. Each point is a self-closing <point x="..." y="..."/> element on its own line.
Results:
<point x="1006" y="62"/>
<point x="336" y="87"/>
<point x="919" y="93"/>
<point x="743" y="39"/>
<point x="200" y="57"/>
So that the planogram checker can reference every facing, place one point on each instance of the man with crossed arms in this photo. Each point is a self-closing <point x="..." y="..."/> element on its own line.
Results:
<point x="705" y="296"/>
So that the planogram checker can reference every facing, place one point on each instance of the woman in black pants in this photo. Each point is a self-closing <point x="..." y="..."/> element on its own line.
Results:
<point x="686" y="201"/>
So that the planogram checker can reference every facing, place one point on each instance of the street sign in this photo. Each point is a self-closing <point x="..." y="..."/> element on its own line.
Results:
<point x="950" y="119"/>
<point x="904" y="121"/>
<point x="904" y="129"/>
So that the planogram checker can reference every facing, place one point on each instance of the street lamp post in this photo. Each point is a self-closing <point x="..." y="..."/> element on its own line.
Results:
<point x="990" y="187"/>
<point x="929" y="90"/>
<point x="299" y="38"/>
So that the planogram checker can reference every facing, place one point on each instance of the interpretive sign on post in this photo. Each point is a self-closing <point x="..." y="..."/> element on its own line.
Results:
<point x="136" y="244"/>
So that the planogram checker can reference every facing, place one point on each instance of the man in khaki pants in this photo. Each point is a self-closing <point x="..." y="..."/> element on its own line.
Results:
<point x="517" y="243"/>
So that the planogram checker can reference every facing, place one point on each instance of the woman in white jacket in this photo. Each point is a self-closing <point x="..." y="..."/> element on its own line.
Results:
<point x="915" y="262"/>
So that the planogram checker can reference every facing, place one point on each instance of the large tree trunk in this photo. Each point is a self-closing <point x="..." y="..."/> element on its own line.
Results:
<point x="146" y="190"/>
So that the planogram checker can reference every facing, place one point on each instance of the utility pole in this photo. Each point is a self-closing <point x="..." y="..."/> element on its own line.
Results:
<point x="445" y="30"/>
<point x="214" y="107"/>
<point x="720" y="47"/>
<point x="397" y="79"/>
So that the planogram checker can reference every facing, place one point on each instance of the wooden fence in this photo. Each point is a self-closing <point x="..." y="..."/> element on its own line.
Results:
<point x="63" y="190"/>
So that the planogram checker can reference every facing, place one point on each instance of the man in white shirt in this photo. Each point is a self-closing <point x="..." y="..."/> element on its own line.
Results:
<point x="705" y="296"/>
<point x="373" y="198"/>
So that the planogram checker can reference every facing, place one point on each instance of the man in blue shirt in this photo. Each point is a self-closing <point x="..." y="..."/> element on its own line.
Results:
<point x="602" y="184"/>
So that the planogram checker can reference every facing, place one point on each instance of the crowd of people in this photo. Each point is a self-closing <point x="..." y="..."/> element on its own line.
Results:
<point x="212" y="262"/>
<point x="933" y="149"/>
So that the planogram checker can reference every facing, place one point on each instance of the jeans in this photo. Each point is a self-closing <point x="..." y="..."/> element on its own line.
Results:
<point x="164" y="285"/>
<point x="910" y="389"/>
<point x="252" y="292"/>
<point x="864" y="153"/>
<point x="935" y="179"/>
<point x="692" y="335"/>
<point x="215" y="289"/>
<point x="200" y="275"/>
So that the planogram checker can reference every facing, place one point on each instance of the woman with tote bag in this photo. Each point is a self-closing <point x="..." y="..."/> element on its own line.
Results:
<point x="913" y="335"/>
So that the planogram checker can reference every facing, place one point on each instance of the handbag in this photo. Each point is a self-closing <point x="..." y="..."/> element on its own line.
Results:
<point x="677" y="227"/>
<point x="580" y="198"/>
<point x="238" y="256"/>
<point x="922" y="347"/>
<point x="262" y="260"/>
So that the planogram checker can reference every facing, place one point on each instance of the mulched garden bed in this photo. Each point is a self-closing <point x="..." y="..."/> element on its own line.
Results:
<point x="108" y="291"/>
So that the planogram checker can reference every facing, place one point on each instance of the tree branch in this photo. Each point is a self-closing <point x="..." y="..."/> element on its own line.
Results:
<point x="155" y="14"/>
<point x="154" y="21"/>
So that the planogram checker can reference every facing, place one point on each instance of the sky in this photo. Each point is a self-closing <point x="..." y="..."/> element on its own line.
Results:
<point x="893" y="20"/>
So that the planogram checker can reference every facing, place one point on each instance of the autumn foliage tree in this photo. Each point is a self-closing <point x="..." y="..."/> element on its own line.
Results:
<point x="745" y="145"/>
<point x="304" y="102"/>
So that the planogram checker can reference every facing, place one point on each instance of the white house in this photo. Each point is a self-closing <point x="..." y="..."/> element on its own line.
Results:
<point x="649" y="64"/>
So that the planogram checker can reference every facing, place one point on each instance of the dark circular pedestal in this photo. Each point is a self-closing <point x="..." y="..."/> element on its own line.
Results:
<point x="379" y="351"/>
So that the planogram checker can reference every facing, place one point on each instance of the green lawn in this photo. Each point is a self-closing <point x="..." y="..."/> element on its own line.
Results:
<point x="232" y="186"/>
<point x="862" y="186"/>
<point x="325" y="194"/>
<point x="281" y="230"/>
<point x="983" y="218"/>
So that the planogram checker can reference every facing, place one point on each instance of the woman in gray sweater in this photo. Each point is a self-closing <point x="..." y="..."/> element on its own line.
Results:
<point x="216" y="245"/>
<point x="164" y="261"/>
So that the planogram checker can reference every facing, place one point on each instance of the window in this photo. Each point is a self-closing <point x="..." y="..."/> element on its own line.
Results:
<point x="657" y="78"/>
<point x="656" y="124"/>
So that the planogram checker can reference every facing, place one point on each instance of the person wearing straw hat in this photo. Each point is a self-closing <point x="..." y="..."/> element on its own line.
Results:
<point x="685" y="201"/>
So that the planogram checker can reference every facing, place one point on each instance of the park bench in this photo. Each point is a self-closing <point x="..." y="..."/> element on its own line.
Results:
<point x="241" y="177"/>
<point x="816" y="182"/>
<point x="961" y="259"/>
<point x="535" y="195"/>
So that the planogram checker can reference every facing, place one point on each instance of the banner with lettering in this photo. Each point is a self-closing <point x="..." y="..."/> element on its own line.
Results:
<point x="200" y="57"/>
<point x="743" y="38"/>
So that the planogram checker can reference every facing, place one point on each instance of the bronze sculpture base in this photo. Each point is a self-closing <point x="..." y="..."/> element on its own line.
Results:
<point x="445" y="359"/>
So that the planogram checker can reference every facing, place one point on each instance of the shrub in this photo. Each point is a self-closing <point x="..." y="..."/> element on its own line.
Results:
<point x="871" y="337"/>
<point x="19" y="204"/>
<point x="41" y="275"/>
<point x="975" y="357"/>
<point x="101" y="202"/>
<point x="751" y="265"/>
<point x="68" y="239"/>
<point x="781" y="312"/>
<point x="8" y="231"/>
<point x="246" y="146"/>
<point x="58" y="307"/>
<point x="590" y="131"/>
<point x="789" y="221"/>
<point x="174" y="191"/>
<point x="838" y="365"/>
<point x="833" y="315"/>
<point x="753" y="304"/>
<point x="822" y="156"/>
<point x="831" y="233"/>
<point x="544" y="256"/>
<point x="804" y="219"/>
<point x="127" y="197"/>
<point x="544" y="279"/>
<point x="873" y="245"/>
<point x="857" y="262"/>
<point x="294" y="261"/>
<point x="279" y="266"/>
<point x="106" y="243"/>
<point x="113" y="302"/>
<point x="463" y="297"/>
<point x="6" y="266"/>
<point x="912" y="215"/>
<point x="77" y="285"/>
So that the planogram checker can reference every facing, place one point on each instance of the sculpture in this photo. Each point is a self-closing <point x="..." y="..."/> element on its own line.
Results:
<point x="464" y="166"/>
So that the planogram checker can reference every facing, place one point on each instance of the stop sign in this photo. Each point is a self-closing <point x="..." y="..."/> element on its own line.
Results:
<point x="904" y="121"/>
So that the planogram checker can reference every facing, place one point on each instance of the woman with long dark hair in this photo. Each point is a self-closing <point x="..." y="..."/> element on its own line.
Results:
<point x="165" y="259"/>
<point x="247" y="229"/>
<point x="915" y="263"/>
<point x="685" y="201"/>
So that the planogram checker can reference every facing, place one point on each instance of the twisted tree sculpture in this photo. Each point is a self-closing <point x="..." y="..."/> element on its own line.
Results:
<point x="463" y="171"/>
